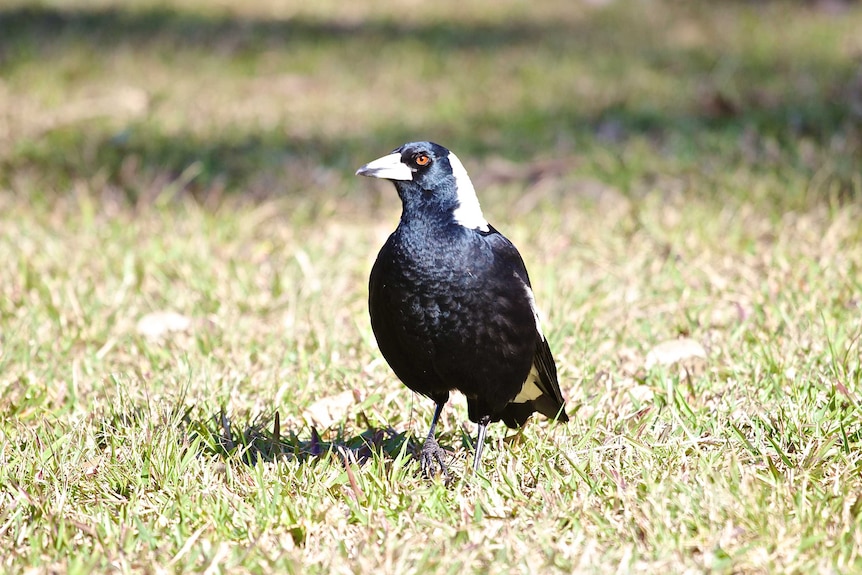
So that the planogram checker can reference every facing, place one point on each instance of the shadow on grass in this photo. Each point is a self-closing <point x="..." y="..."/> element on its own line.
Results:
<point x="142" y="159"/>
<point x="27" y="32"/>
<point x="37" y="32"/>
<point x="142" y="164"/>
<point x="261" y="438"/>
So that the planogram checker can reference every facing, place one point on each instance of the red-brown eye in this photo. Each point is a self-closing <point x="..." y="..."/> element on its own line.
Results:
<point x="422" y="160"/>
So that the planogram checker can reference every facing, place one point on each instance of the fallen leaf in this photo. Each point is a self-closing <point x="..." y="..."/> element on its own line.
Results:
<point x="330" y="409"/>
<point x="160" y="323"/>
<point x="642" y="393"/>
<point x="91" y="467"/>
<point x="674" y="351"/>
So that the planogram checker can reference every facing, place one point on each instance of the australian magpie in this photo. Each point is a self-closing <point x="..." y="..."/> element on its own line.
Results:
<point x="451" y="304"/>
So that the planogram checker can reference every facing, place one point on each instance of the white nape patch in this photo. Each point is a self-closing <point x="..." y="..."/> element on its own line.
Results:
<point x="387" y="168"/>
<point x="468" y="213"/>
<point x="530" y="390"/>
<point x="536" y="313"/>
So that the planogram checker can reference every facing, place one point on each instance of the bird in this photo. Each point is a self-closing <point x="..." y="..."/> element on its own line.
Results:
<point x="451" y="304"/>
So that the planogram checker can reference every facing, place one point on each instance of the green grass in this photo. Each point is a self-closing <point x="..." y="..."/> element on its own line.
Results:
<point x="668" y="169"/>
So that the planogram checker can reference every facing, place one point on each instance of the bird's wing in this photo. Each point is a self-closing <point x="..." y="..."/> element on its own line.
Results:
<point x="541" y="391"/>
<point x="550" y="403"/>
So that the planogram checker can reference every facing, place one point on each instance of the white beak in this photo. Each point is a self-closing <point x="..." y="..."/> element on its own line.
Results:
<point x="388" y="168"/>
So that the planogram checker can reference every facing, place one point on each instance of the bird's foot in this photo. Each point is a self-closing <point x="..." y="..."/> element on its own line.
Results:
<point x="431" y="456"/>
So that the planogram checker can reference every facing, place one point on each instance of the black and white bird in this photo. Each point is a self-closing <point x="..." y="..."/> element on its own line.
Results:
<point x="451" y="304"/>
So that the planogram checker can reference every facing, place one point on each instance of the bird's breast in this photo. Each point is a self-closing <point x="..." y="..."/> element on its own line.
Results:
<point x="452" y="293"/>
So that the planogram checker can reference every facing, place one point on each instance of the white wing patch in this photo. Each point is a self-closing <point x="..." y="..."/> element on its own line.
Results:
<point x="530" y="390"/>
<point x="536" y="313"/>
<point x="468" y="213"/>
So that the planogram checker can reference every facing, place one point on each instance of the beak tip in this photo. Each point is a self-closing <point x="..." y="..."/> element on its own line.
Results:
<point x="362" y="171"/>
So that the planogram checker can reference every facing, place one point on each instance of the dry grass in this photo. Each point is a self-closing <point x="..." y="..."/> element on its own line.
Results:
<point x="667" y="170"/>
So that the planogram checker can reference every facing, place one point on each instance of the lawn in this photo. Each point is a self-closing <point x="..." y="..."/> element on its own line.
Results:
<point x="188" y="378"/>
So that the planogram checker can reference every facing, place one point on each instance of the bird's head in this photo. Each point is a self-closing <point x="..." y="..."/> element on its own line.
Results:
<point x="430" y="179"/>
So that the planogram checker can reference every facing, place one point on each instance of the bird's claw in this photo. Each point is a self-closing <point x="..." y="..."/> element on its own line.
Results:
<point x="431" y="456"/>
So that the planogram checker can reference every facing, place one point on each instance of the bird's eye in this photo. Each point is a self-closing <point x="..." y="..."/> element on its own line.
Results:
<point x="422" y="160"/>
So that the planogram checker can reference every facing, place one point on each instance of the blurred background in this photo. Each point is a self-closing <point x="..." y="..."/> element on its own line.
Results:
<point x="134" y="99"/>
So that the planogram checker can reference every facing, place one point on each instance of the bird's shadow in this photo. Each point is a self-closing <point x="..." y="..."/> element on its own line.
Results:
<point x="263" y="439"/>
<point x="259" y="438"/>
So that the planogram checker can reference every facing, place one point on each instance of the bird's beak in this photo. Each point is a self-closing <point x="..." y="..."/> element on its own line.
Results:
<point x="388" y="168"/>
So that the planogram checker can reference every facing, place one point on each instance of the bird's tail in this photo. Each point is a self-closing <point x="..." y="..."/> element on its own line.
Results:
<point x="543" y="394"/>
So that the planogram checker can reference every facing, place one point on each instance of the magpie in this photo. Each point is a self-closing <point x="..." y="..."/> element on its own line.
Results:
<point x="451" y="304"/>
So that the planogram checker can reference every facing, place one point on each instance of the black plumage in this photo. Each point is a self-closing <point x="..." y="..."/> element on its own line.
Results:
<point x="451" y="304"/>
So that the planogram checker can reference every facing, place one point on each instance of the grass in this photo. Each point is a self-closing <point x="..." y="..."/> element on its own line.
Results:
<point x="667" y="169"/>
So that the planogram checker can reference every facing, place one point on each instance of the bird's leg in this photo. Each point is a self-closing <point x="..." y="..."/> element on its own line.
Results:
<point x="480" y="440"/>
<point x="432" y="454"/>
